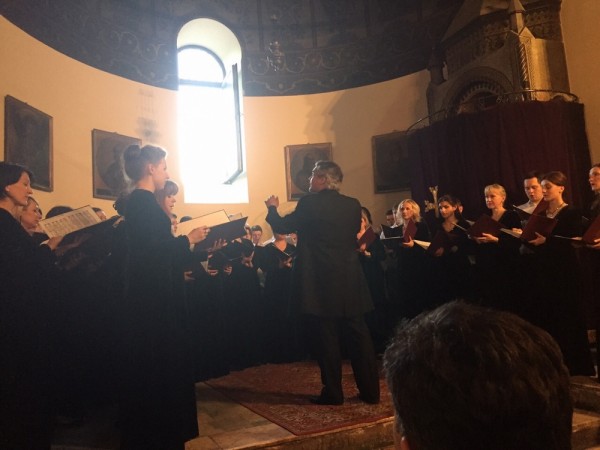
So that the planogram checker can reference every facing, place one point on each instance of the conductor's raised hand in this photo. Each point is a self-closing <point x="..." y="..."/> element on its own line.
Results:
<point x="198" y="234"/>
<point x="273" y="200"/>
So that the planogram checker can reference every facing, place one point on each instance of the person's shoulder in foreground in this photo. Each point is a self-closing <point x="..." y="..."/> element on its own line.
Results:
<point x="463" y="377"/>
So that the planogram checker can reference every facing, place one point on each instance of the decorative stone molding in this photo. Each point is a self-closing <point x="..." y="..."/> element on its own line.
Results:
<point x="327" y="44"/>
<point x="498" y="53"/>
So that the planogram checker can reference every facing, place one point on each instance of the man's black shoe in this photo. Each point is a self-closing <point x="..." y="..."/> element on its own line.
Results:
<point x="320" y="400"/>
<point x="370" y="401"/>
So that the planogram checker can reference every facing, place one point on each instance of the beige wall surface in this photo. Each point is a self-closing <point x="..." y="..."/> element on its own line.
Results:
<point x="81" y="98"/>
<point x="581" y="33"/>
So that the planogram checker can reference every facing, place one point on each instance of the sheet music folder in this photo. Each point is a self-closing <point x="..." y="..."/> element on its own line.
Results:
<point x="410" y="230"/>
<point x="227" y="231"/>
<point x="367" y="237"/>
<point x="209" y="220"/>
<point x="593" y="232"/>
<point x="441" y="239"/>
<point x="485" y="224"/>
<point x="540" y="224"/>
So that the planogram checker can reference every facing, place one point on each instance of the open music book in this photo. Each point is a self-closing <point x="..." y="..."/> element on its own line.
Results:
<point x="524" y="215"/>
<point x="410" y="229"/>
<point x="227" y="231"/>
<point x="69" y="222"/>
<point x="591" y="234"/>
<point x="485" y="224"/>
<point x="538" y="224"/>
<point x="209" y="220"/>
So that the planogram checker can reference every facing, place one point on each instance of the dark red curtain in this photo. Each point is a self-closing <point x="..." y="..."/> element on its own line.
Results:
<point x="465" y="153"/>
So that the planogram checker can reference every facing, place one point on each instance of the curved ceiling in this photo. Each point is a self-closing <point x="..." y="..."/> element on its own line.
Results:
<point x="328" y="44"/>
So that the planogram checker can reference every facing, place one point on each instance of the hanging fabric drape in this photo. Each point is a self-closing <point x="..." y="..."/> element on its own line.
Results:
<point x="465" y="153"/>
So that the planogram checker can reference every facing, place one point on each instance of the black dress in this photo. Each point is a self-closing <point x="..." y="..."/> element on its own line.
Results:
<point x="591" y="260"/>
<point x="452" y="272"/>
<point x="557" y="298"/>
<point x="28" y="309"/>
<point x="282" y="337"/>
<point x="378" y="319"/>
<point x="158" y="408"/>
<point x="496" y="268"/>
<point x="413" y="273"/>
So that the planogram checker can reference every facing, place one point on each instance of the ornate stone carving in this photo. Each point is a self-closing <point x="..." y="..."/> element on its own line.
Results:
<point x="498" y="53"/>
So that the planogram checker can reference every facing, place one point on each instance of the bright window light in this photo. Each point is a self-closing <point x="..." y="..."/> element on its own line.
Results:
<point x="209" y="128"/>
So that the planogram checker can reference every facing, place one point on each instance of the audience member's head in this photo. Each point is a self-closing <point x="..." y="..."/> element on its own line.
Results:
<point x="463" y="377"/>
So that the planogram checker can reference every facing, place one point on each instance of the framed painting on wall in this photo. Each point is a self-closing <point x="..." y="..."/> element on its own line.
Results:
<point x="299" y="163"/>
<point x="391" y="168"/>
<point x="28" y="141"/>
<point x="107" y="161"/>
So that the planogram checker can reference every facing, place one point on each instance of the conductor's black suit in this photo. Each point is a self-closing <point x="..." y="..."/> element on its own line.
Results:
<point x="328" y="285"/>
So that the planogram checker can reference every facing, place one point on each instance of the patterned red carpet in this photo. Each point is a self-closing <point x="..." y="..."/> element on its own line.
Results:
<point x="281" y="393"/>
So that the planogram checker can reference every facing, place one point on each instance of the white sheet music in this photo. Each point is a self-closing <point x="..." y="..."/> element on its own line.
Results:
<point x="68" y="222"/>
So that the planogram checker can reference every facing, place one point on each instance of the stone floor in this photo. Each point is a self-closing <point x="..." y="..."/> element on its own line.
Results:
<point x="225" y="424"/>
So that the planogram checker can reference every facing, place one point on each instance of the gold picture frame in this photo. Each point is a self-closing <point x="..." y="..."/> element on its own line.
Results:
<point x="299" y="163"/>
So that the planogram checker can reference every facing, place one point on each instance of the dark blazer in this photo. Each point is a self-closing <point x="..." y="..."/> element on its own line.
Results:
<point x="327" y="279"/>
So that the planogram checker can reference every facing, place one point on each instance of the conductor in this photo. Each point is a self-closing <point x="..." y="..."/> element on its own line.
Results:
<point x="328" y="284"/>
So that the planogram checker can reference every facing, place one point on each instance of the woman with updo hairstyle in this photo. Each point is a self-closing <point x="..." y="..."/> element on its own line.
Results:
<point x="158" y="407"/>
<point x="497" y="257"/>
<point x="412" y="262"/>
<point x="28" y="301"/>
<point x="558" y="282"/>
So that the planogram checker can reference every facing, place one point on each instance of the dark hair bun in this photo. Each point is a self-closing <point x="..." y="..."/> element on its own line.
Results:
<point x="132" y="153"/>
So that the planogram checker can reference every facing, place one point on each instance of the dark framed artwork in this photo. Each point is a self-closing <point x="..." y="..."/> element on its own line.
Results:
<point x="391" y="168"/>
<point x="107" y="160"/>
<point x="28" y="141"/>
<point x="299" y="163"/>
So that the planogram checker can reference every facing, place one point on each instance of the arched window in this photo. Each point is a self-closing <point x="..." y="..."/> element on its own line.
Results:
<point x="210" y="114"/>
